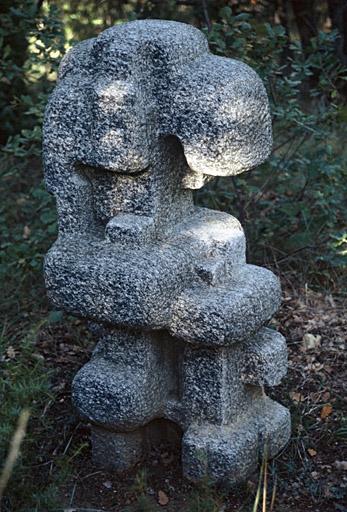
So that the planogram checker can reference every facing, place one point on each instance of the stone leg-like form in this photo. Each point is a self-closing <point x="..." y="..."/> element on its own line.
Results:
<point x="214" y="394"/>
<point x="121" y="389"/>
<point x="118" y="451"/>
<point x="230" y="417"/>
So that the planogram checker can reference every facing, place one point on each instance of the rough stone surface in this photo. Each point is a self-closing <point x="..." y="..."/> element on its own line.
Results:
<point x="142" y="115"/>
<point x="119" y="451"/>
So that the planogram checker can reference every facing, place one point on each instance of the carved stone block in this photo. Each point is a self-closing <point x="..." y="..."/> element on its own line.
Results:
<point x="142" y="115"/>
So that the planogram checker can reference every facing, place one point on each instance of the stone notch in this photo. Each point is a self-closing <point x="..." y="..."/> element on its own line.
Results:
<point x="141" y="115"/>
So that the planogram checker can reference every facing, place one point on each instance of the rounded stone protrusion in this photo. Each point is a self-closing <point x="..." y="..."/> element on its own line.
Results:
<point x="115" y="397"/>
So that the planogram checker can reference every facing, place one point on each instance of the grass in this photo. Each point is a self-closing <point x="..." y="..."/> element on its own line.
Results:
<point x="28" y="228"/>
<point x="24" y="386"/>
<point x="48" y="450"/>
<point x="14" y="450"/>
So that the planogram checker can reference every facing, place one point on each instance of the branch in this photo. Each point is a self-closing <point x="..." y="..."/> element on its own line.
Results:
<point x="14" y="451"/>
<point x="38" y="6"/>
<point x="206" y="15"/>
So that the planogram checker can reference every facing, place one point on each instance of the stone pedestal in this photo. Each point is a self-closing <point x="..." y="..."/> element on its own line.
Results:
<point x="141" y="116"/>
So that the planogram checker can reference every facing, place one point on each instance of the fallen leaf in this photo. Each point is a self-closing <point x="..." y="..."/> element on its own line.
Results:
<point x="325" y="396"/>
<point x="331" y="301"/>
<point x="312" y="452"/>
<point x="10" y="352"/>
<point x="310" y="341"/>
<point x="296" y="397"/>
<point x="163" y="498"/>
<point x="326" y="411"/>
<point x="38" y="357"/>
<point x="317" y="367"/>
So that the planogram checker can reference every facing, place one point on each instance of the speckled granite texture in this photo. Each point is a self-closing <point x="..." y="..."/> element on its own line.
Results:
<point x="141" y="115"/>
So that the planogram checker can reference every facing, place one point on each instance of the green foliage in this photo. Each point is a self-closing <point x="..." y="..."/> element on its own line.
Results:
<point x="17" y="19"/>
<point x="293" y="205"/>
<point x="28" y="223"/>
<point x="24" y="384"/>
<point x="45" y="462"/>
<point x="31" y="46"/>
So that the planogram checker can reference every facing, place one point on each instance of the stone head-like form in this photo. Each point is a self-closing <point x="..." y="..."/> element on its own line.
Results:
<point x="141" y="115"/>
<point x="139" y="82"/>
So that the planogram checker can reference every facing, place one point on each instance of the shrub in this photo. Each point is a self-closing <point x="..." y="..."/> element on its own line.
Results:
<point x="292" y="206"/>
<point x="31" y="46"/>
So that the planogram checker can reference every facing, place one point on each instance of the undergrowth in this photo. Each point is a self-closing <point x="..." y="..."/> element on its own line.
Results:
<point x="25" y="384"/>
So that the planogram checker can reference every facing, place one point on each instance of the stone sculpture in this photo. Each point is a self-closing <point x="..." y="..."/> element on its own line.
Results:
<point x="142" y="115"/>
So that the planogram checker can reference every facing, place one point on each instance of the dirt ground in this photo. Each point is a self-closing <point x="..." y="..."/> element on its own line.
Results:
<point x="310" y="474"/>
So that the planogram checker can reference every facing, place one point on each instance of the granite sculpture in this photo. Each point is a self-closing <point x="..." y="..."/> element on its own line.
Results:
<point x="142" y="115"/>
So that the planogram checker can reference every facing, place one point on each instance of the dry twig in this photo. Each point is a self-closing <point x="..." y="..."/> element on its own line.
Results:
<point x="13" y="451"/>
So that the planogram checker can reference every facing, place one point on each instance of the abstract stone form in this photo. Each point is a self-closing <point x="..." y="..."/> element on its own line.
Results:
<point x="142" y="115"/>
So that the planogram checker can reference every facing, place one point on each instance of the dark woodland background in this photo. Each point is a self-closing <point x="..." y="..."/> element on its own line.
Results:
<point x="293" y="207"/>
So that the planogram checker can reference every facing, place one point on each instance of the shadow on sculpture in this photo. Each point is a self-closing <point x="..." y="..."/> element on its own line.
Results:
<point x="141" y="116"/>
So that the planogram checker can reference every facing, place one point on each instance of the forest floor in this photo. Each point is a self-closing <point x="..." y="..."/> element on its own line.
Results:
<point x="310" y="474"/>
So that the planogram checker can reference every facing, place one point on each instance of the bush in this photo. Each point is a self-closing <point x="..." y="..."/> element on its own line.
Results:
<point x="31" y="46"/>
<point x="292" y="206"/>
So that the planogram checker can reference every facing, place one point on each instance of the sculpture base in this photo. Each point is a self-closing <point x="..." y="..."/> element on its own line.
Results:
<point x="230" y="453"/>
<point x="121" y="451"/>
<point x="225" y="454"/>
<point x="141" y="388"/>
<point x="117" y="451"/>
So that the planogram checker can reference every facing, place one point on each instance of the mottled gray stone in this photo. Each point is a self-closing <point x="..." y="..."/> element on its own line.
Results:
<point x="229" y="453"/>
<point x="266" y="359"/>
<point x="142" y="115"/>
<point x="116" y="451"/>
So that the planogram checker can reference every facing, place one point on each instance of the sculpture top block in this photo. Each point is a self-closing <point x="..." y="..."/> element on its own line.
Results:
<point x="141" y="81"/>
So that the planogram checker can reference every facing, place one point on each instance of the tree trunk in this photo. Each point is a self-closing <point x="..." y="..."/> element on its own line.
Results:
<point x="281" y="13"/>
<point x="306" y="20"/>
<point x="338" y="16"/>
